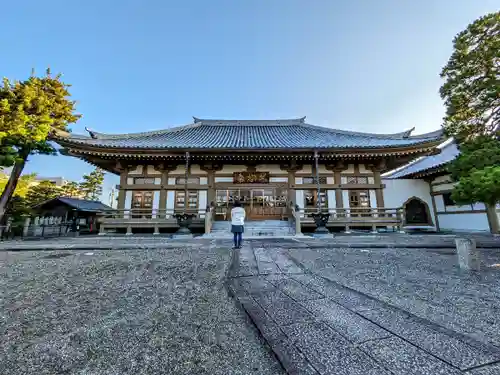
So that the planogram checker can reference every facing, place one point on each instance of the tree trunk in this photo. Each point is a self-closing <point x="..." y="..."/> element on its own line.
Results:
<point x="491" y="212"/>
<point x="8" y="192"/>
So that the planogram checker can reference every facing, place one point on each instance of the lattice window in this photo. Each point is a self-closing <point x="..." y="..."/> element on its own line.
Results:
<point x="191" y="180"/>
<point x="311" y="199"/>
<point x="448" y="201"/>
<point x="312" y="180"/>
<point x="192" y="199"/>
<point x="357" y="180"/>
<point x="359" y="199"/>
<point x="143" y="180"/>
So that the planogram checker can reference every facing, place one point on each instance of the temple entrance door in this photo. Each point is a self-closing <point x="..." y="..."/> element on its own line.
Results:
<point x="142" y="204"/>
<point x="259" y="203"/>
<point x="264" y="205"/>
<point x="416" y="212"/>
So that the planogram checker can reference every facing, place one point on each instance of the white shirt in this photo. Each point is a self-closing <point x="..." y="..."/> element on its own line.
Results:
<point x="238" y="216"/>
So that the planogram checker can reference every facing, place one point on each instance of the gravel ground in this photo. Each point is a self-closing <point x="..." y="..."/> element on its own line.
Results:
<point x="162" y="311"/>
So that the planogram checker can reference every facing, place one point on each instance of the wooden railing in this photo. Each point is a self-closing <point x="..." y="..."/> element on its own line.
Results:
<point x="348" y="217"/>
<point x="140" y="218"/>
<point x="136" y="213"/>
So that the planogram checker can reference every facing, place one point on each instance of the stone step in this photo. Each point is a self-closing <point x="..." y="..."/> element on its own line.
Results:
<point x="261" y="228"/>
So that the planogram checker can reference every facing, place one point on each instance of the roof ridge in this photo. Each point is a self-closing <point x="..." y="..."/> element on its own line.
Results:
<point x="401" y="135"/>
<point x="97" y="135"/>
<point x="249" y="122"/>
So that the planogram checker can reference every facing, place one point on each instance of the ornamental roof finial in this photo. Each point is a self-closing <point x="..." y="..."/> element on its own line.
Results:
<point x="92" y="134"/>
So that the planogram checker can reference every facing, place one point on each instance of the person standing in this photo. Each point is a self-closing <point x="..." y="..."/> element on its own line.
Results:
<point x="237" y="224"/>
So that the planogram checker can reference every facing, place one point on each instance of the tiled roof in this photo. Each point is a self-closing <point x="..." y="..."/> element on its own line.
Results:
<point x="80" y="204"/>
<point x="250" y="134"/>
<point x="449" y="151"/>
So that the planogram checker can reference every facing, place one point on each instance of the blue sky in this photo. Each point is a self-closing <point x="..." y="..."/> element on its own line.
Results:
<point x="363" y="65"/>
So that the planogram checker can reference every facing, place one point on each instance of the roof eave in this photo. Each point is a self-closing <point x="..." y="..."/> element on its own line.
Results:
<point x="422" y="174"/>
<point x="129" y="150"/>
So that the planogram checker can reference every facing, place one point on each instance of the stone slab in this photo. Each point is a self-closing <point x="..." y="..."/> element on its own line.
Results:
<point x="182" y="236"/>
<point x="296" y="290"/>
<point x="442" y="343"/>
<point x="343" y="296"/>
<point x="284" y="263"/>
<point x="329" y="352"/>
<point x="282" y="309"/>
<point x="402" y="358"/>
<point x="493" y="369"/>
<point x="256" y="285"/>
<point x="266" y="326"/>
<point x="294" y="362"/>
<point x="347" y="323"/>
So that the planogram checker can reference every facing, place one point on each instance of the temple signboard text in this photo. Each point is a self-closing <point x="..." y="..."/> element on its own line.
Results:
<point x="251" y="177"/>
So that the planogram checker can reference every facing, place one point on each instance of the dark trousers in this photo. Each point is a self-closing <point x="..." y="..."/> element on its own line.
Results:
<point x="237" y="238"/>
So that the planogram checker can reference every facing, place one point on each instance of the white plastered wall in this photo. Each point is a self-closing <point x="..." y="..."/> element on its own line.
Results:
<point x="454" y="218"/>
<point x="398" y="192"/>
<point x="464" y="222"/>
<point x="332" y="200"/>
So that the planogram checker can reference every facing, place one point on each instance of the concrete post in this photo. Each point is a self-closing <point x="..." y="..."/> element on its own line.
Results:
<point x="298" y="227"/>
<point x="374" y="228"/>
<point x="347" y="229"/>
<point x="102" y="230"/>
<point x="26" y="226"/>
<point x="208" y="220"/>
<point x="129" y="231"/>
<point x="468" y="256"/>
<point x="156" y="230"/>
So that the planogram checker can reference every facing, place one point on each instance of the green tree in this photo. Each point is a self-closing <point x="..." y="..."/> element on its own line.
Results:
<point x="472" y="97"/>
<point x="30" y="111"/>
<point x="42" y="192"/>
<point x="472" y="80"/>
<point x="23" y="185"/>
<point x="17" y="209"/>
<point x="91" y="186"/>
<point x="71" y="190"/>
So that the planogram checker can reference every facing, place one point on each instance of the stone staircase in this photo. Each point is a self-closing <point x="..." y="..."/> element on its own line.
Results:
<point x="257" y="228"/>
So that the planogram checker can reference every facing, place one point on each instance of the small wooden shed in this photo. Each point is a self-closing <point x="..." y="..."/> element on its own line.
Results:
<point x="82" y="211"/>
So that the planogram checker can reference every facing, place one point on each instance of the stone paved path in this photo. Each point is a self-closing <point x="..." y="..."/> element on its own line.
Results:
<point x="370" y="311"/>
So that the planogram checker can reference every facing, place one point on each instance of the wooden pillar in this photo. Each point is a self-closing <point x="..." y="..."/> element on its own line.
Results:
<point x="165" y="169"/>
<point x="211" y="186"/>
<point x="434" y="206"/>
<point x="211" y="168"/>
<point x="163" y="193"/>
<point x="123" y="182"/>
<point x="291" y="196"/>
<point x="377" y="179"/>
<point x="379" y="191"/>
<point x="339" y="199"/>
<point x="291" y="167"/>
<point x="337" y="168"/>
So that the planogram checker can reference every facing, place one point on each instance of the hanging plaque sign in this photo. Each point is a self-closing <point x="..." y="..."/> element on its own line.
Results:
<point x="251" y="177"/>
